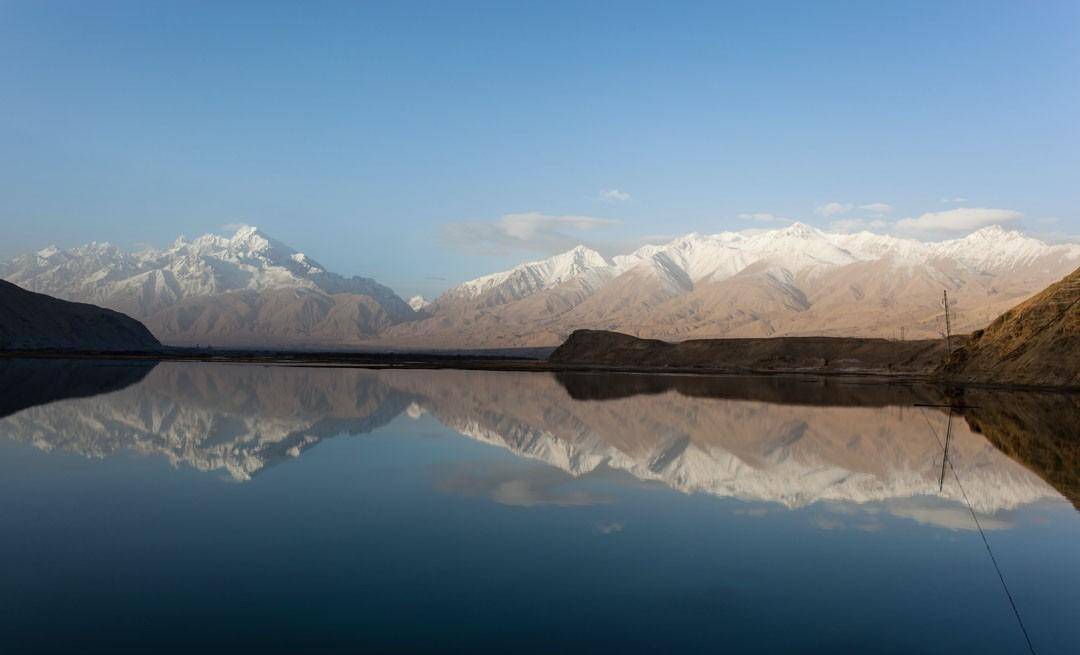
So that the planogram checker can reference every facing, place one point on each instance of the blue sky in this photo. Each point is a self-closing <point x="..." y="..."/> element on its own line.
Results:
<point x="426" y="143"/>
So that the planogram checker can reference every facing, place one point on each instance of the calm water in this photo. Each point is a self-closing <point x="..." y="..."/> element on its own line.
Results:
<point x="235" y="507"/>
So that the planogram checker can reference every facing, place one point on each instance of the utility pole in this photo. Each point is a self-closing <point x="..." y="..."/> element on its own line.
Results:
<point x="948" y="326"/>
<point x="945" y="455"/>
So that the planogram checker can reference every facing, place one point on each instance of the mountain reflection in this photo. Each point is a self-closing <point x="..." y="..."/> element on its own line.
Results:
<point x="787" y="441"/>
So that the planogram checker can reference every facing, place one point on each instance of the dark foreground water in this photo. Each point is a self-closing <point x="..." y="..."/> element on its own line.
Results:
<point x="204" y="508"/>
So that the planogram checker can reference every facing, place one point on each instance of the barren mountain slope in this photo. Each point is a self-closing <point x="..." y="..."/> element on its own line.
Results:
<point x="1037" y="342"/>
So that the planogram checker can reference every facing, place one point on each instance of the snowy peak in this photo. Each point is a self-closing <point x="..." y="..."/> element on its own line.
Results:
<point x="720" y="256"/>
<point x="994" y="249"/>
<point x="799" y="230"/>
<point x="528" y="278"/>
<point x="249" y="245"/>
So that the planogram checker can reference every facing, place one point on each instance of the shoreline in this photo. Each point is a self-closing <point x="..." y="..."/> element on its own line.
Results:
<point x="479" y="362"/>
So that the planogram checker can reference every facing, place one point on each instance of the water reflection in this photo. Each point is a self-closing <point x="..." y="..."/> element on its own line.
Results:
<point x="786" y="441"/>
<point x="26" y="383"/>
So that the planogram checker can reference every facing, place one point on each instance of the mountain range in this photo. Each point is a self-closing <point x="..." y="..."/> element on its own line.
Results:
<point x="247" y="289"/>
<point x="251" y="290"/>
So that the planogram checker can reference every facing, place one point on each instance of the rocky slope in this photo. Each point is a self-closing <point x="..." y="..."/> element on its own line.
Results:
<point x="1035" y="343"/>
<point x="35" y="321"/>
<point x="788" y="282"/>
<point x="243" y="290"/>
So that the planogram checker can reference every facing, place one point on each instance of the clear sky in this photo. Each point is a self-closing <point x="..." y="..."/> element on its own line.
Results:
<point x="426" y="143"/>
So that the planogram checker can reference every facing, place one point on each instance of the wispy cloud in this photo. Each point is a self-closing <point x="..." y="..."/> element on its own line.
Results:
<point x="833" y="208"/>
<point x="615" y="196"/>
<point x="877" y="207"/>
<point x="949" y="201"/>
<point x="961" y="219"/>
<point x="532" y="231"/>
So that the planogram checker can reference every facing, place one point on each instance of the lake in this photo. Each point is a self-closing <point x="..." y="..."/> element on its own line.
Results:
<point x="233" y="507"/>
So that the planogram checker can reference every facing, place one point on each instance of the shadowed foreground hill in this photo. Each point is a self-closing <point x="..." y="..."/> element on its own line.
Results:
<point x="35" y="321"/>
<point x="1035" y="343"/>
<point x="778" y="354"/>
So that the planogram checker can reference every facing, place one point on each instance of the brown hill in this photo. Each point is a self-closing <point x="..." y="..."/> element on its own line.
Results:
<point x="35" y="321"/>
<point x="780" y="354"/>
<point x="1035" y="343"/>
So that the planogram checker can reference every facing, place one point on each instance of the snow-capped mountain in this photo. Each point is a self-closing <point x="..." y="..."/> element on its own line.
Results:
<point x="795" y="280"/>
<point x="242" y="289"/>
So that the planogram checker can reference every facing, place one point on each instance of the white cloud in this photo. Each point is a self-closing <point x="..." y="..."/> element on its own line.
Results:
<point x="952" y="518"/>
<point x="877" y="207"/>
<point x="514" y="485"/>
<point x="961" y="219"/>
<point x="614" y="195"/>
<point x="765" y="217"/>
<point x="526" y="231"/>
<point x="948" y="201"/>
<point x="857" y="224"/>
<point x="833" y="208"/>
<point x="610" y="527"/>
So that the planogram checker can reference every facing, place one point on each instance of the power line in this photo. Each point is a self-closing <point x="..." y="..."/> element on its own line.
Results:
<point x="982" y="533"/>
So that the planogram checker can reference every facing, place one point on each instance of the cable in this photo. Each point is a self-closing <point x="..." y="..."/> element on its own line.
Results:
<point x="982" y="533"/>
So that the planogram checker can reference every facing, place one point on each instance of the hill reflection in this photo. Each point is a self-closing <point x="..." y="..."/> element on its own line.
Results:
<point x="787" y="441"/>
